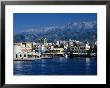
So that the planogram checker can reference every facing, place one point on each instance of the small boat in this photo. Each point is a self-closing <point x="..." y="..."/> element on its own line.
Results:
<point x="93" y="54"/>
<point x="66" y="56"/>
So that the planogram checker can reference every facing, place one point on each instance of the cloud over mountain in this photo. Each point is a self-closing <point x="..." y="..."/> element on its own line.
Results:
<point x="85" y="30"/>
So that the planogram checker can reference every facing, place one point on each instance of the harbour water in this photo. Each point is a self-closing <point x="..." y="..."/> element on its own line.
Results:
<point x="57" y="66"/>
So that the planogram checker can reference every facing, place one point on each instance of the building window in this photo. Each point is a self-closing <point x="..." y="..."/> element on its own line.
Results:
<point x="16" y="55"/>
<point x="24" y="55"/>
<point x="20" y="55"/>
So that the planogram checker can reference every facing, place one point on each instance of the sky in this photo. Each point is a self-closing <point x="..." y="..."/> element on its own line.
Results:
<point x="25" y="21"/>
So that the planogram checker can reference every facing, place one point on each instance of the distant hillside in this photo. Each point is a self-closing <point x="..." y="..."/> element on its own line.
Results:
<point x="86" y="30"/>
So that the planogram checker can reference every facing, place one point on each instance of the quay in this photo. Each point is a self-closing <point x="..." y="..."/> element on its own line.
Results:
<point x="52" y="55"/>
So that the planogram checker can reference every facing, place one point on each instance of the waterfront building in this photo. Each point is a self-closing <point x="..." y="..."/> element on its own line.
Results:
<point x="25" y="50"/>
<point x="66" y="46"/>
<point x="43" y="48"/>
<point x="19" y="53"/>
<point x="57" y="50"/>
<point x="52" y="47"/>
<point x="26" y="46"/>
<point x="22" y="49"/>
<point x="58" y="42"/>
<point x="87" y="46"/>
<point x="70" y="42"/>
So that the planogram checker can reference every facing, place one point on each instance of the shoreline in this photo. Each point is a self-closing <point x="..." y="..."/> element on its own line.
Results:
<point x="32" y="59"/>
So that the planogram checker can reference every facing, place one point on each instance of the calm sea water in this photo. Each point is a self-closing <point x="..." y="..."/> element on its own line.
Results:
<point x="57" y="66"/>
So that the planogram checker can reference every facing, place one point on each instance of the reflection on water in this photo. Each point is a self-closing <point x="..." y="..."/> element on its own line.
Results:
<point x="57" y="66"/>
<point x="23" y="67"/>
<point x="88" y="65"/>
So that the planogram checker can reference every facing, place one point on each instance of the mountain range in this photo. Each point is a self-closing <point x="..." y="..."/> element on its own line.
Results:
<point x="82" y="31"/>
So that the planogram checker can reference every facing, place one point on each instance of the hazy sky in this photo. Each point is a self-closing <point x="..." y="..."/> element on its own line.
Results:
<point x="25" y="21"/>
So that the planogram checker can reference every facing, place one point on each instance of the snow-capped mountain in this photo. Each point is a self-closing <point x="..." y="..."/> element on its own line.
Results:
<point x="85" y="30"/>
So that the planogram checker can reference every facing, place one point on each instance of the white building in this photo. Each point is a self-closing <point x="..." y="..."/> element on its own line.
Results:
<point x="21" y="50"/>
<point x="87" y="47"/>
<point x="18" y="53"/>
